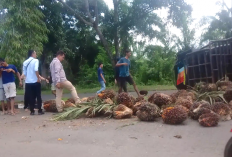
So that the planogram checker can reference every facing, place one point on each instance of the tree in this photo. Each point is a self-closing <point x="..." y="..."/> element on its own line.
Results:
<point x="220" y="26"/>
<point x="23" y="29"/>
<point x="139" y="16"/>
<point x="186" y="41"/>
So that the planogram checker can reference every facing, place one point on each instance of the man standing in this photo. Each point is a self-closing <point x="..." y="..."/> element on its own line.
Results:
<point x="116" y="77"/>
<point x="33" y="85"/>
<point x="124" y="74"/>
<point x="60" y="81"/>
<point x="8" y="79"/>
<point x="26" y="95"/>
<point x="101" y="78"/>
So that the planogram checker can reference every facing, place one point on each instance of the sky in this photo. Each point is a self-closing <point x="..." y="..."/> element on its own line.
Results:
<point x="201" y="8"/>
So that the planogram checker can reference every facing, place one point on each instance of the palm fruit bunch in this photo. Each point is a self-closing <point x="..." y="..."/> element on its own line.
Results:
<point x="125" y="99"/>
<point x="139" y="99"/>
<point x="91" y="99"/>
<point x="223" y="110"/>
<point x="188" y="95"/>
<point x="161" y="99"/>
<point x="107" y="94"/>
<point x="133" y="99"/>
<point x="167" y="106"/>
<point x="228" y="94"/>
<point x="121" y="111"/>
<point x="50" y="106"/>
<point x="174" y="115"/>
<point x="209" y="119"/>
<point x="151" y="98"/>
<point x="200" y="87"/>
<point x="148" y="112"/>
<point x="70" y="100"/>
<point x="180" y="92"/>
<point x="91" y="112"/>
<point x="173" y="97"/>
<point x="69" y="104"/>
<point x="84" y="99"/>
<point x="108" y="101"/>
<point x="230" y="106"/>
<point x="137" y="105"/>
<point x="210" y="87"/>
<point x="184" y="102"/>
<point x="199" y="108"/>
<point x="223" y="85"/>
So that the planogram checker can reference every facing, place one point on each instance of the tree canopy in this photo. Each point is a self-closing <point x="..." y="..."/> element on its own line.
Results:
<point x="90" y="32"/>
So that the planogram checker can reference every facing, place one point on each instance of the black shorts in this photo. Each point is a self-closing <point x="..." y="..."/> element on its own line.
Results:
<point x="124" y="80"/>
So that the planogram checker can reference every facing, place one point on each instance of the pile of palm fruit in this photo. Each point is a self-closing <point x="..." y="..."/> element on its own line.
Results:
<point x="207" y="103"/>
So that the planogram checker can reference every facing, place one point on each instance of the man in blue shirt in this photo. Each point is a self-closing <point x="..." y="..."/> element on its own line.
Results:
<point x="124" y="74"/>
<point x="101" y="78"/>
<point x="116" y="77"/>
<point x="8" y="80"/>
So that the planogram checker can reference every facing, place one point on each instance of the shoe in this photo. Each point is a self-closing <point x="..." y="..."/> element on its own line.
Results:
<point x="40" y="113"/>
<point x="32" y="113"/>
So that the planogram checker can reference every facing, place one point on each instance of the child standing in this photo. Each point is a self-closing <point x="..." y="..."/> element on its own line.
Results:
<point x="101" y="78"/>
<point x="8" y="79"/>
<point x="2" y="95"/>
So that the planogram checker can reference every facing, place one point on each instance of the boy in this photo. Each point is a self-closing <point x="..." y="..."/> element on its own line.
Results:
<point x="8" y="79"/>
<point x="2" y="95"/>
<point x="116" y="77"/>
<point x="124" y="74"/>
<point x="101" y="78"/>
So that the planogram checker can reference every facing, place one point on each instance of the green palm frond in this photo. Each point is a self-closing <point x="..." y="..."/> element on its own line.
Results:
<point x="71" y="113"/>
<point x="211" y="97"/>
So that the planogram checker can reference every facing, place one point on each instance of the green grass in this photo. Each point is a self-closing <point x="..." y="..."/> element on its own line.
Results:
<point x="93" y="90"/>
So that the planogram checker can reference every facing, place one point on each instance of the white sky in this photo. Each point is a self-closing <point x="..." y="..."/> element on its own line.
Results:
<point x="201" y="8"/>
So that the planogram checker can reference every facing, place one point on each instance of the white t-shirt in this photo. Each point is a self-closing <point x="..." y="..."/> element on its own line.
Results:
<point x="30" y="66"/>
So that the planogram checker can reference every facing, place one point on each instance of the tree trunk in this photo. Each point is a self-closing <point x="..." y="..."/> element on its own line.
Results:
<point x="116" y="39"/>
<point x="105" y="44"/>
<point x="44" y="70"/>
<point x="93" y="24"/>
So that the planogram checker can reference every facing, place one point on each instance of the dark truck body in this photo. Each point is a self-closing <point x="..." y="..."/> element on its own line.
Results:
<point x="208" y="64"/>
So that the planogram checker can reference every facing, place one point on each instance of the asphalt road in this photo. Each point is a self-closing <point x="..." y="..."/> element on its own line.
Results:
<point x="37" y="136"/>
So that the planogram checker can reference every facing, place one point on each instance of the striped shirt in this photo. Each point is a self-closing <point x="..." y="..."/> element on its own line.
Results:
<point x="57" y="71"/>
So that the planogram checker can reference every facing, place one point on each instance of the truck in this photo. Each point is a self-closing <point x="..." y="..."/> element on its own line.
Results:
<point x="207" y="64"/>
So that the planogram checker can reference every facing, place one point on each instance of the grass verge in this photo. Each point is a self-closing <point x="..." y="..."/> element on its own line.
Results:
<point x="93" y="90"/>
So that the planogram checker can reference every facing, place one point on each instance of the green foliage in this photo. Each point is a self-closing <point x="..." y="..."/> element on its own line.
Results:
<point x="22" y="29"/>
<point x="48" y="26"/>
<point x="155" y="67"/>
<point x="89" y="76"/>
<point x="220" y="26"/>
<point x="97" y="106"/>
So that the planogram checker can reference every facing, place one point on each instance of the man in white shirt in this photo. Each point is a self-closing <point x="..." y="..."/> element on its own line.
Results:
<point x="60" y="81"/>
<point x="33" y="86"/>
